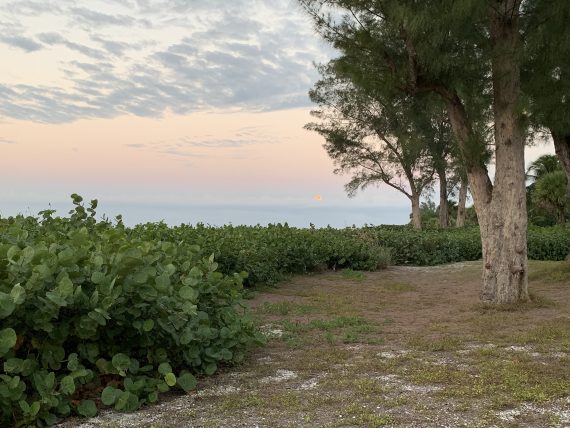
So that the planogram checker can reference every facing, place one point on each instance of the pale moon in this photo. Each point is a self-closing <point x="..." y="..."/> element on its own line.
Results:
<point x="318" y="198"/>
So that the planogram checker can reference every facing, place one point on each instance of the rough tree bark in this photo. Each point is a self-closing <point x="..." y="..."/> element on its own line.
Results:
<point x="443" y="209"/>
<point x="504" y="226"/>
<point x="416" y="213"/>
<point x="460" y="222"/>
<point x="562" y="147"/>
<point x="501" y="208"/>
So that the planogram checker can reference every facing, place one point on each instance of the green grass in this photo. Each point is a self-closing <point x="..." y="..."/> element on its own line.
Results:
<point x="353" y="274"/>
<point x="324" y="324"/>
<point x="342" y="329"/>
<point x="549" y="272"/>
<point x="284" y="308"/>
<point x="446" y="343"/>
<point x="357" y="414"/>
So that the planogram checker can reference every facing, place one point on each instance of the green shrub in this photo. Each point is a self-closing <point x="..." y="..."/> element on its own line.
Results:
<point x="548" y="243"/>
<point x="429" y="247"/>
<point x="92" y="314"/>
<point x="270" y="254"/>
<point x="435" y="246"/>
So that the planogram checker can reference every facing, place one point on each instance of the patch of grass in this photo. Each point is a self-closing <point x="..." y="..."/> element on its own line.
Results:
<point x="333" y="304"/>
<point x="287" y="400"/>
<point x="399" y="401"/>
<point x="399" y="287"/>
<point x="549" y="272"/>
<point x="541" y="301"/>
<point x="554" y="419"/>
<point x="354" y="275"/>
<point x="368" y="386"/>
<point x="535" y="302"/>
<point x="284" y="308"/>
<point x="241" y="401"/>
<point x="363" y="334"/>
<point x="313" y="359"/>
<point x="293" y="340"/>
<point x="506" y="382"/>
<point x="324" y="325"/>
<point x="424" y="373"/>
<point x="446" y="343"/>
<point x="352" y="330"/>
<point x="551" y="332"/>
<point x="357" y="414"/>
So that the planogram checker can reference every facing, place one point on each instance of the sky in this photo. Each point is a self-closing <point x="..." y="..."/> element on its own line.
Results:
<point x="179" y="110"/>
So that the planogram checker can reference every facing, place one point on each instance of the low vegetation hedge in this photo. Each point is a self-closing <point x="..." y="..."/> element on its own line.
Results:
<point x="435" y="246"/>
<point x="269" y="254"/>
<point x="429" y="247"/>
<point x="548" y="243"/>
<point x="92" y="315"/>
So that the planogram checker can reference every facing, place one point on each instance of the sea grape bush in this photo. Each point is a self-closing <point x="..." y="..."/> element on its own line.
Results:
<point x="269" y="254"/>
<point x="548" y="243"/>
<point x="91" y="315"/>
<point x="429" y="247"/>
<point x="435" y="246"/>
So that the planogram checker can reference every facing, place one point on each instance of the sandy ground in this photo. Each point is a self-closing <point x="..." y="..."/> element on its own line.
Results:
<point x="404" y="347"/>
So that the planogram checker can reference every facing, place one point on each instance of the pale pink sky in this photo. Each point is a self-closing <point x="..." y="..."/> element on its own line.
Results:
<point x="213" y="159"/>
<point x="167" y="110"/>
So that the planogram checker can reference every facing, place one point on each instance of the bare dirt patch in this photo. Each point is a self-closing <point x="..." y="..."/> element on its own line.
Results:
<point x="405" y="347"/>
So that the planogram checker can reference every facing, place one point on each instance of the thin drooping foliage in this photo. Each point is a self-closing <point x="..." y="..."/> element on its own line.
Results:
<point x="469" y="54"/>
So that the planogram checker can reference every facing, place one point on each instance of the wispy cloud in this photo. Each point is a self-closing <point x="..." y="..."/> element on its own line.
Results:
<point x="20" y="42"/>
<point x="56" y="39"/>
<point x="146" y="57"/>
<point x="202" y="146"/>
<point x="92" y="18"/>
<point x="6" y="141"/>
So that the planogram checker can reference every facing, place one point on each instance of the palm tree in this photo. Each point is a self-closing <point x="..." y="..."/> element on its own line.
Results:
<point x="542" y="166"/>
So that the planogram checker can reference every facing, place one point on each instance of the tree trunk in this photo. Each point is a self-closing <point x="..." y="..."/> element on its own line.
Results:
<point x="561" y="216"/>
<point x="416" y="213"/>
<point x="461" y="204"/>
<point x="562" y="147"/>
<point x="443" y="209"/>
<point x="505" y="276"/>
<point x="501" y="209"/>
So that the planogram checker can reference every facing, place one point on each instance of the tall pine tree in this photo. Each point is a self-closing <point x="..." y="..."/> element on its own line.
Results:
<point x="374" y="138"/>
<point x="469" y="53"/>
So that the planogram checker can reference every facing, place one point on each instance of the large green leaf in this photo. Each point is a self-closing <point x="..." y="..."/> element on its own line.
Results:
<point x="18" y="294"/>
<point x="121" y="361"/>
<point x="87" y="408"/>
<point x="67" y="385"/>
<point x="110" y="395"/>
<point x="187" y="382"/>
<point x="7" y="305"/>
<point x="170" y="379"/>
<point x="8" y="340"/>
<point x="188" y="293"/>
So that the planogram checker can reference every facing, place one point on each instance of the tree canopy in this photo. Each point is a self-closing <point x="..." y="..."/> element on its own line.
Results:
<point x="476" y="57"/>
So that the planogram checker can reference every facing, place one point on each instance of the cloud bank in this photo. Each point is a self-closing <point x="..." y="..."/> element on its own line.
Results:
<point x="146" y="58"/>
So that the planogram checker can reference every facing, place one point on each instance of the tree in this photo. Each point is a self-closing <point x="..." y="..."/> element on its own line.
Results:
<point x="373" y="139"/>
<point x="545" y="164"/>
<point x="469" y="53"/>
<point x="550" y="194"/>
<point x="546" y="74"/>
<point x="461" y="186"/>
<point x="435" y="125"/>
<point x="543" y="201"/>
